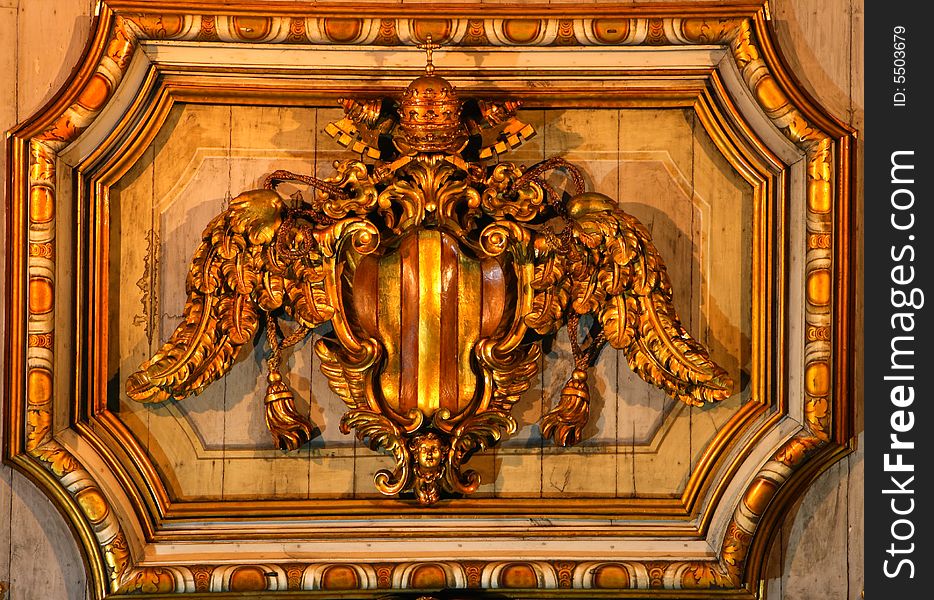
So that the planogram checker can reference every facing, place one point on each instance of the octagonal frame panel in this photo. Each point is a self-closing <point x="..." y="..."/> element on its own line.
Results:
<point x="719" y="60"/>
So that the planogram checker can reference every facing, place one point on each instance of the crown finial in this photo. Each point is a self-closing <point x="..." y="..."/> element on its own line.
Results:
<point x="428" y="47"/>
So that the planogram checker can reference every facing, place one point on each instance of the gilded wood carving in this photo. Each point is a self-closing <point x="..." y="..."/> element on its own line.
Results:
<point x="439" y="269"/>
<point x="64" y="161"/>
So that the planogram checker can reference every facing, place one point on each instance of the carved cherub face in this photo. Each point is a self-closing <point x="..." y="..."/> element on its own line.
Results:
<point x="428" y="451"/>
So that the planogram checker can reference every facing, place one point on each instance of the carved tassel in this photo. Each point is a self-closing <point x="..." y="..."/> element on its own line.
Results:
<point x="289" y="429"/>
<point x="565" y="423"/>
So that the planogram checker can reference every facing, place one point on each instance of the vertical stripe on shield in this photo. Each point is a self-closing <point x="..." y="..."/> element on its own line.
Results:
<point x="450" y="310"/>
<point x="408" y="350"/>
<point x="469" y="305"/>
<point x="429" y="320"/>
<point x="389" y="324"/>
<point x="434" y="301"/>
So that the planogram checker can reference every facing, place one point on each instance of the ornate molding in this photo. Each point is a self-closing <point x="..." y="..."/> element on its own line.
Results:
<point x="33" y="447"/>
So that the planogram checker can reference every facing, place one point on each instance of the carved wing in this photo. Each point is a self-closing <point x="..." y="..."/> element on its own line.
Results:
<point x="604" y="263"/>
<point x="241" y="272"/>
<point x="228" y="286"/>
<point x="639" y="317"/>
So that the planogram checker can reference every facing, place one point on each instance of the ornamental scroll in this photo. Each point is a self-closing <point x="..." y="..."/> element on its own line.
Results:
<point x="440" y="270"/>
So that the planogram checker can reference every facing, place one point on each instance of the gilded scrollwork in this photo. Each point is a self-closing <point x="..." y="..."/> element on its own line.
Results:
<point x="507" y="195"/>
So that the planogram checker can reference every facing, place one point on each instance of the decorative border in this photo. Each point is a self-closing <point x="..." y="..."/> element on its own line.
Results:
<point x="368" y="31"/>
<point x="33" y="147"/>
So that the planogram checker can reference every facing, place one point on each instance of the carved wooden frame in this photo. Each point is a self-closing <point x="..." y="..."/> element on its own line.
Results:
<point x="797" y="157"/>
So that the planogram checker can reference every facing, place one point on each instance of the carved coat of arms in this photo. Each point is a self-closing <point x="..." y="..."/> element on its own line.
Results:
<point x="440" y="269"/>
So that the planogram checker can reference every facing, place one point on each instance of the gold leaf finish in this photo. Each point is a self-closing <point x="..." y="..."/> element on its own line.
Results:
<point x="501" y="363"/>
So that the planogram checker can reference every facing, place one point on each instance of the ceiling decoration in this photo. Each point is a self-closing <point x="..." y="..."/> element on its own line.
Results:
<point x="718" y="61"/>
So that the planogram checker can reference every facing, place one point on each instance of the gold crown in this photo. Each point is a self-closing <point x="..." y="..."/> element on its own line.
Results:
<point x="430" y="113"/>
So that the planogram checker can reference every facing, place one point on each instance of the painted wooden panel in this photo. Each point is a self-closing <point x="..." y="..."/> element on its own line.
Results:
<point x="44" y="558"/>
<point x="663" y="168"/>
<point x="6" y="523"/>
<point x="51" y="35"/>
<point x="7" y="117"/>
<point x="807" y="565"/>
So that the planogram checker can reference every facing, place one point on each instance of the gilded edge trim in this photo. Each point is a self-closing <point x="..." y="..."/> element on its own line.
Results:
<point x="826" y="285"/>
